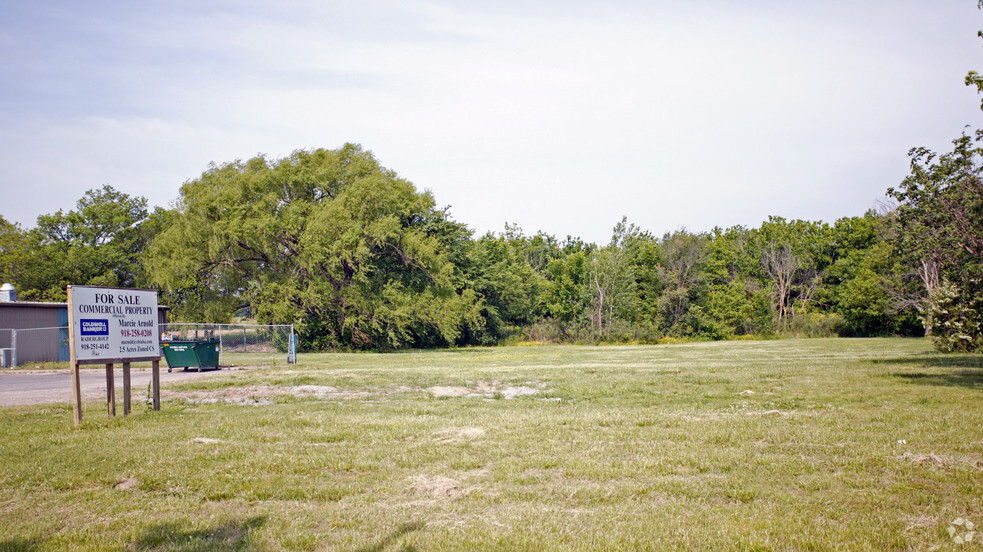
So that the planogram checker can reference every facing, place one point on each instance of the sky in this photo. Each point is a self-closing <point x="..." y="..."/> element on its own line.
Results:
<point x="561" y="117"/>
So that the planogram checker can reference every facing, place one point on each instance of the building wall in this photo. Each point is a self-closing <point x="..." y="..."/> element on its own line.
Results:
<point x="41" y="345"/>
<point x="34" y="345"/>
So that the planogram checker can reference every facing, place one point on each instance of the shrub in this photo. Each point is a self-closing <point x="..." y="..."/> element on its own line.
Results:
<point x="955" y="319"/>
<point x="817" y="324"/>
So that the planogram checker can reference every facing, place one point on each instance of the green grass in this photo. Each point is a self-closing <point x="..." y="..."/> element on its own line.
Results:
<point x="870" y="444"/>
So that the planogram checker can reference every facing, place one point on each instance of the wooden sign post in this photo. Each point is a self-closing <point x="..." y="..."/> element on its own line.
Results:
<point x="110" y="325"/>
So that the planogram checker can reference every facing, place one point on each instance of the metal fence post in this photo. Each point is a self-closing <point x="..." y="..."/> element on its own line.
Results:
<point x="292" y="347"/>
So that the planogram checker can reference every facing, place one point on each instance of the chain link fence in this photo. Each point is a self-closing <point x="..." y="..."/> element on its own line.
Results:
<point x="26" y="345"/>
<point x="239" y="344"/>
<point x="6" y="348"/>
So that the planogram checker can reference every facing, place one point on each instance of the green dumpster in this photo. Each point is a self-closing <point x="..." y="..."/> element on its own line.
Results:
<point x="202" y="353"/>
<point x="207" y="351"/>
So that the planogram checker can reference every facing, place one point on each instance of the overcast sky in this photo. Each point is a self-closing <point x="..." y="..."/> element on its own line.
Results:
<point x="558" y="116"/>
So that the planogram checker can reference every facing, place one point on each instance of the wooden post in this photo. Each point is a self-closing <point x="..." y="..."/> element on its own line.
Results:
<point x="126" y="389"/>
<point x="155" y="383"/>
<point x="76" y="392"/>
<point x="110" y="390"/>
<point x="73" y="363"/>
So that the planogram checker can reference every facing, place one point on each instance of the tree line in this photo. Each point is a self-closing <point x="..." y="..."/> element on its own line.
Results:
<point x="358" y="258"/>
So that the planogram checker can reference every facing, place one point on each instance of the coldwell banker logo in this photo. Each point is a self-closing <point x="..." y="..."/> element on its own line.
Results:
<point x="95" y="327"/>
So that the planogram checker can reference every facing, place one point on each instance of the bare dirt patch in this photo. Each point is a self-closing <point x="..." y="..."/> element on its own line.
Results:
<point x="487" y="390"/>
<point x="521" y="391"/>
<point x="441" y="391"/>
<point x="259" y="395"/>
<point x="126" y="484"/>
<point x="942" y="461"/>
<point x="437" y="487"/>
<point x="459" y="434"/>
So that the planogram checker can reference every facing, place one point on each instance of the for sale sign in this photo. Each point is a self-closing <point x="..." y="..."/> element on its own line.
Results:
<point x="113" y="324"/>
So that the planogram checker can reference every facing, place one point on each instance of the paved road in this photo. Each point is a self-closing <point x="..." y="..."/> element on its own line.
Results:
<point x="55" y="386"/>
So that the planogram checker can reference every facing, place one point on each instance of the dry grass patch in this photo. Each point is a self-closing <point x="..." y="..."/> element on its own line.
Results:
<point x="945" y="461"/>
<point x="459" y="435"/>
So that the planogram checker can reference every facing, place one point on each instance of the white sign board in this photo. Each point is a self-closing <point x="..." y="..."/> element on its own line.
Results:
<point x="114" y="324"/>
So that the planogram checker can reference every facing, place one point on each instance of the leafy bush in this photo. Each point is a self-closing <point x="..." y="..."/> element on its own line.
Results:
<point x="955" y="318"/>
<point x="551" y="330"/>
<point x="817" y="324"/>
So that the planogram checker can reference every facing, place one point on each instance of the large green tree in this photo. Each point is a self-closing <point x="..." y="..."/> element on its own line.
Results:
<point x="611" y="286"/>
<point x="565" y="292"/>
<point x="794" y="255"/>
<point x="327" y="239"/>
<point x="861" y="285"/>
<point x="97" y="243"/>
<point x="506" y="282"/>
<point x="681" y="271"/>
<point x="736" y="297"/>
<point x="13" y="251"/>
<point x="940" y="215"/>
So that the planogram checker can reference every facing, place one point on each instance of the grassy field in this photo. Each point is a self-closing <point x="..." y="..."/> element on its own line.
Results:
<point x="870" y="444"/>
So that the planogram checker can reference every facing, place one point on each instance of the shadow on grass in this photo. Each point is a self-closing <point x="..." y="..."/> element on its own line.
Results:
<point x="234" y="535"/>
<point x="953" y="370"/>
<point x="389" y="539"/>
<point x="962" y="378"/>
<point x="935" y="360"/>
<point x="18" y="544"/>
